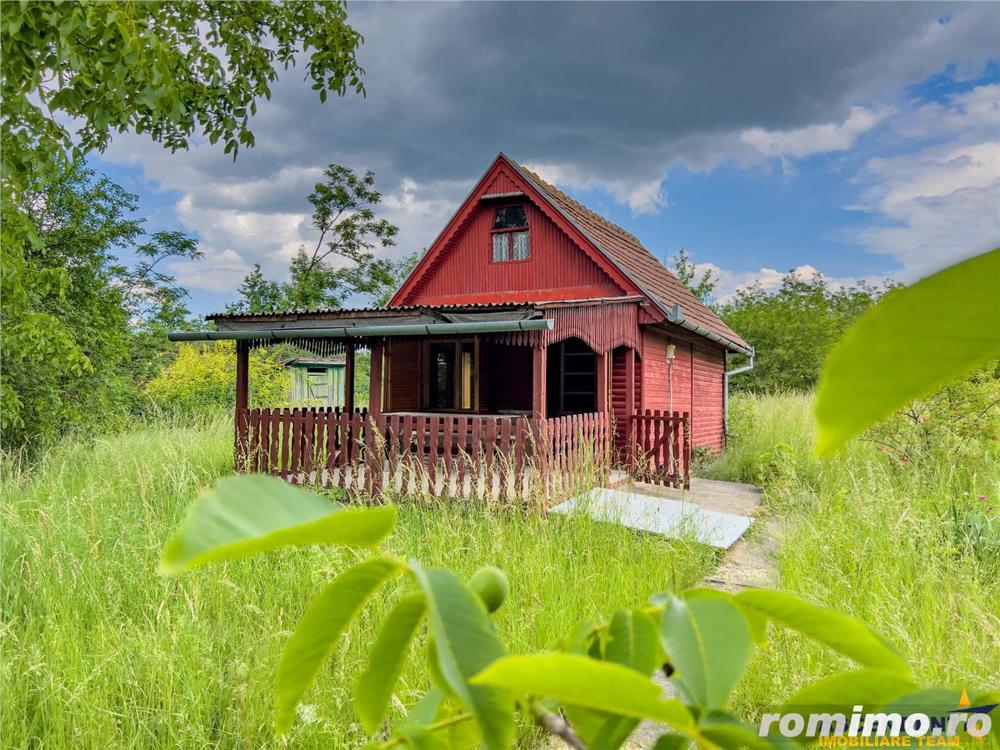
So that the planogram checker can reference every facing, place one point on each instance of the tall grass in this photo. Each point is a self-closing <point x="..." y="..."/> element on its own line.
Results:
<point x="894" y="542"/>
<point x="98" y="652"/>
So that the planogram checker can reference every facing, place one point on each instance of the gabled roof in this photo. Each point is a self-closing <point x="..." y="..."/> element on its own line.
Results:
<point x="617" y="251"/>
<point x="640" y="264"/>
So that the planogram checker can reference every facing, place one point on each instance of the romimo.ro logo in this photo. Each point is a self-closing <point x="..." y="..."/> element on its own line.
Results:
<point x="912" y="726"/>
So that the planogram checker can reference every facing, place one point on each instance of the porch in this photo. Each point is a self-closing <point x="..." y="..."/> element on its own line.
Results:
<point x="506" y="401"/>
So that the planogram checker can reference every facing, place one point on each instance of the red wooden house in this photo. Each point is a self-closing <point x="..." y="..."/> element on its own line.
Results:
<point x="530" y="318"/>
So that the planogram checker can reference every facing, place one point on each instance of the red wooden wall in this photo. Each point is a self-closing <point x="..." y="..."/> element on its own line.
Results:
<point x="402" y="370"/>
<point x="556" y="270"/>
<point x="618" y="385"/>
<point x="698" y="378"/>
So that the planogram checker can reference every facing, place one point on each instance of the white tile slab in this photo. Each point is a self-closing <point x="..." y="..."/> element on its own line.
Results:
<point x="671" y="518"/>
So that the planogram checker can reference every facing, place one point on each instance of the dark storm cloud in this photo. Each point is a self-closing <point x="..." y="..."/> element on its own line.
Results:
<point x="613" y="93"/>
<point x="617" y="90"/>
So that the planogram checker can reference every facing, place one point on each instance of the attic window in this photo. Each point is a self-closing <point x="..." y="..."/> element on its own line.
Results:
<point x="510" y="234"/>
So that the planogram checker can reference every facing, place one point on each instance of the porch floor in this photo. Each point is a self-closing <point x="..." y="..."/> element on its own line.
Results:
<point x="714" y="513"/>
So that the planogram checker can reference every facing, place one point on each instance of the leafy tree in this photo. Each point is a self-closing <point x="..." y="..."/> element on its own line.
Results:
<point x="349" y="231"/>
<point x="793" y="327"/>
<point x="703" y="286"/>
<point x="204" y="377"/>
<point x="89" y="307"/>
<point x="258" y="295"/>
<point x="168" y="69"/>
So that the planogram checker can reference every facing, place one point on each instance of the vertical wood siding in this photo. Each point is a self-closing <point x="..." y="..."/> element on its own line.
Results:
<point x="601" y="327"/>
<point x="698" y="382"/>
<point x="556" y="270"/>
<point x="403" y="375"/>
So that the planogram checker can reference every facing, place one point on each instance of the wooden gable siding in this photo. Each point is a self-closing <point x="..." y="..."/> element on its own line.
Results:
<point x="458" y="269"/>
<point x="698" y="383"/>
<point x="555" y="270"/>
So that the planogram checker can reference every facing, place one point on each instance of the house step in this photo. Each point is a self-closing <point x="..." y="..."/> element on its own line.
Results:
<point x="739" y="499"/>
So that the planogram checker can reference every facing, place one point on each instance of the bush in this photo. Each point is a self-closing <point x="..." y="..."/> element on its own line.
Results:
<point x="204" y="377"/>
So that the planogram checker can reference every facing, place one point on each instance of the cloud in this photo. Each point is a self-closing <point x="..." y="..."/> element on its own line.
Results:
<point x="769" y="279"/>
<point x="609" y="96"/>
<point x="641" y="197"/>
<point x="217" y="271"/>
<point x="939" y="204"/>
<point x="815" y="139"/>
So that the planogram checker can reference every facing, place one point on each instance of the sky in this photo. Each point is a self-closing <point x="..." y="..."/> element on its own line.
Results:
<point x="861" y="141"/>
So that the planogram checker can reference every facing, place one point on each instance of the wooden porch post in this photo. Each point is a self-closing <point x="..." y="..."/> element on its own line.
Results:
<point x="375" y="380"/>
<point x="242" y="402"/>
<point x="538" y="381"/>
<point x="349" y="378"/>
<point x="602" y="382"/>
<point x="630" y="405"/>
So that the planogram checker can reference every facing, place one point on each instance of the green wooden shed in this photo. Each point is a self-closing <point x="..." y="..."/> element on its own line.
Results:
<point x="317" y="381"/>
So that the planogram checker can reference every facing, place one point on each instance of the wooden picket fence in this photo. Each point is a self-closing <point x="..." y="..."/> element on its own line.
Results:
<point x="661" y="447"/>
<point x="442" y="455"/>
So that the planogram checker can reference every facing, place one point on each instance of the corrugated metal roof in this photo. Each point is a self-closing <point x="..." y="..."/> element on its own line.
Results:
<point x="363" y="310"/>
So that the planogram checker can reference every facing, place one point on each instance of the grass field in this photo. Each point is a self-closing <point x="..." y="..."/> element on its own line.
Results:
<point x="912" y="548"/>
<point x="97" y="651"/>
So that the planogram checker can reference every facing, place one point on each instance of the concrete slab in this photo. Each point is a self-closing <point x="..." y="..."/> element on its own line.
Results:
<point x="671" y="518"/>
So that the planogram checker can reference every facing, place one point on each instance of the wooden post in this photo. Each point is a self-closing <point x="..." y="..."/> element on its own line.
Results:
<point x="538" y="381"/>
<point x="375" y="380"/>
<point x="630" y="405"/>
<point x="242" y="402"/>
<point x="349" y="378"/>
<point x="602" y="382"/>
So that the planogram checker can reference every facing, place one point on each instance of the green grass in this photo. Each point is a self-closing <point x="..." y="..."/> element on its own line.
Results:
<point x="891" y="542"/>
<point x="98" y="652"/>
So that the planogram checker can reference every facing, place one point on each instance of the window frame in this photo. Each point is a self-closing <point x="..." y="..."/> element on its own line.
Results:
<point x="509" y="238"/>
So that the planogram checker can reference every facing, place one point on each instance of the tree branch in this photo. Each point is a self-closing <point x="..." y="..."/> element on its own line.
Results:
<point x="555" y="724"/>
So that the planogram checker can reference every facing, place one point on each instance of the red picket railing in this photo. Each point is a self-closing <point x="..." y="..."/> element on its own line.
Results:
<point x="441" y="455"/>
<point x="661" y="447"/>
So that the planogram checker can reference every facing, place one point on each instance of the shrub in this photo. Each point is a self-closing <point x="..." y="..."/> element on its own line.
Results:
<point x="204" y="377"/>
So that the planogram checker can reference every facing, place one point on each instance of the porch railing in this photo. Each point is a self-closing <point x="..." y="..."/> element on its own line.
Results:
<point x="661" y="447"/>
<point x="502" y="457"/>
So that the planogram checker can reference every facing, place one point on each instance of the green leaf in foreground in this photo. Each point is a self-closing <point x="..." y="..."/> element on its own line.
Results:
<point x="912" y="342"/>
<point x="839" y="693"/>
<point x="707" y="641"/>
<point x="466" y="643"/>
<point x="844" y="634"/>
<point x="582" y="681"/>
<point x="326" y="618"/>
<point x="385" y="660"/>
<point x="248" y="515"/>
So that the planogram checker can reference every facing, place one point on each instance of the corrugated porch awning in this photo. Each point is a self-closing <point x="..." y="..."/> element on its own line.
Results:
<point x="327" y="331"/>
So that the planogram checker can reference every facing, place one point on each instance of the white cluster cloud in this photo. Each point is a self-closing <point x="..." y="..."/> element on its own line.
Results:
<point x="729" y="282"/>
<point x="641" y="196"/>
<point x="815" y="139"/>
<point x="939" y="204"/>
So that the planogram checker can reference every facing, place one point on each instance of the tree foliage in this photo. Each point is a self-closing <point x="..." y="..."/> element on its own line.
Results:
<point x="793" y="327"/>
<point x="74" y="316"/>
<point x="343" y="263"/>
<point x="168" y="69"/>
<point x="73" y="75"/>
<point x="701" y="285"/>
<point x="203" y="377"/>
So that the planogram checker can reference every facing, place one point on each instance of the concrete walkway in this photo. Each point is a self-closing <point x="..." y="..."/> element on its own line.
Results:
<point x="747" y="563"/>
